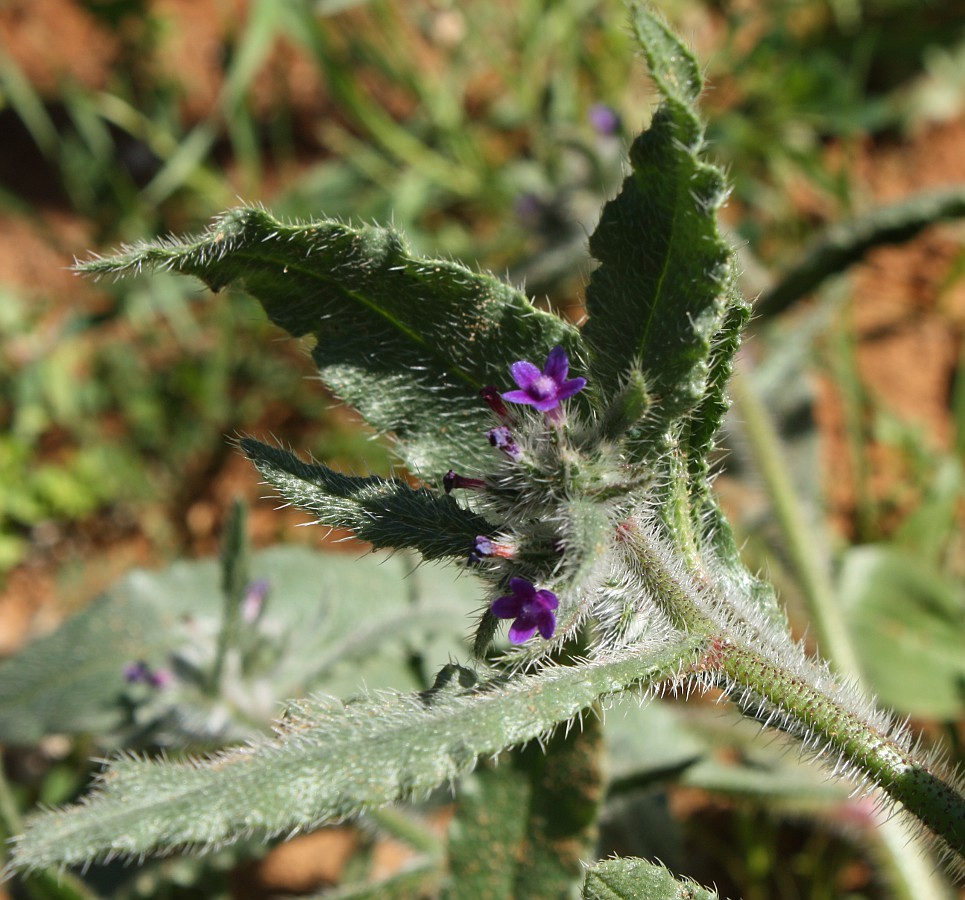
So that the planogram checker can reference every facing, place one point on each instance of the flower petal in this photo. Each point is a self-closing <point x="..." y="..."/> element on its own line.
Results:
<point x="524" y="373"/>
<point x="547" y="599"/>
<point x="522" y="630"/>
<point x="545" y="405"/>
<point x="521" y="588"/>
<point x="518" y="397"/>
<point x="508" y="607"/>
<point x="557" y="364"/>
<point x="546" y="623"/>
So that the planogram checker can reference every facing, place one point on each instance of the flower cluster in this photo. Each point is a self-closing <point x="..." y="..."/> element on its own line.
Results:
<point x="532" y="609"/>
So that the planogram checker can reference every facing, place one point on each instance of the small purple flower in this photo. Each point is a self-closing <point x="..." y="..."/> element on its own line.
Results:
<point x="603" y="119"/>
<point x="544" y="390"/>
<point x="532" y="610"/>
<point x="502" y="439"/>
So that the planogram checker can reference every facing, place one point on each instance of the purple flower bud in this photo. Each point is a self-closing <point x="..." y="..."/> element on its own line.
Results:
<point x="547" y="389"/>
<point x="603" y="119"/>
<point x="491" y="395"/>
<point x="254" y="599"/>
<point x="451" y="480"/>
<point x="485" y="548"/>
<point x="502" y="439"/>
<point x="532" y="610"/>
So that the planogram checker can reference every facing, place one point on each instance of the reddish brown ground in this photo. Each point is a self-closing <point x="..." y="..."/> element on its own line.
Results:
<point x="909" y="326"/>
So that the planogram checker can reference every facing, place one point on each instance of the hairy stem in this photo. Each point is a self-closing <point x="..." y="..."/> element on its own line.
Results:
<point x="843" y="732"/>
<point x="769" y="674"/>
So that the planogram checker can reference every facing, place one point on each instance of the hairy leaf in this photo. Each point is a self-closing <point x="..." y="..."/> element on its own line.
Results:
<point x="661" y="292"/>
<point x="385" y="512"/>
<point x="329" y="760"/>
<point x="637" y="879"/>
<point x="408" y="342"/>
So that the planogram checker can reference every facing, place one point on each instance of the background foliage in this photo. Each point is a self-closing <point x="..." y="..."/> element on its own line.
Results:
<point x="467" y="125"/>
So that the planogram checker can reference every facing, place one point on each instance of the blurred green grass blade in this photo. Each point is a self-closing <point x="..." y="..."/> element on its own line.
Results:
<point x="182" y="156"/>
<point x="395" y="138"/>
<point x="19" y="94"/>
<point x="181" y="164"/>
<point x="262" y="27"/>
<point x="235" y="578"/>
<point x="845" y="243"/>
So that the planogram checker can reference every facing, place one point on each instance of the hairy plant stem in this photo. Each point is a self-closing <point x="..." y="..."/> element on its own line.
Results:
<point x="802" y="701"/>
<point x="841" y="731"/>
<point x="912" y="875"/>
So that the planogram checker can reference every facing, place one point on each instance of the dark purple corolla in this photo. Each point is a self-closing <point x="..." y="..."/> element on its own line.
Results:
<point x="532" y="609"/>
<point x="547" y="389"/>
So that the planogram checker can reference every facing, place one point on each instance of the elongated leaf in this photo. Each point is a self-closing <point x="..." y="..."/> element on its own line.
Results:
<point x="408" y="342"/>
<point x="637" y="879"/>
<point x="661" y="292"/>
<point x="327" y="762"/>
<point x="386" y="512"/>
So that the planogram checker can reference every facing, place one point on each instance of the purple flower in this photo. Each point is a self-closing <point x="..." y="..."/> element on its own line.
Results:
<point x="604" y="119"/>
<point x="532" y="610"/>
<point x="137" y="672"/>
<point x="544" y="390"/>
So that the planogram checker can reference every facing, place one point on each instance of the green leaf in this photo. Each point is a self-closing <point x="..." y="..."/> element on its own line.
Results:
<point x="385" y="512"/>
<point x="327" y="761"/>
<point x="637" y="879"/>
<point x="72" y="680"/>
<point x="664" y="285"/>
<point x="408" y="342"/>
<point x="907" y="623"/>
<point x="312" y="634"/>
